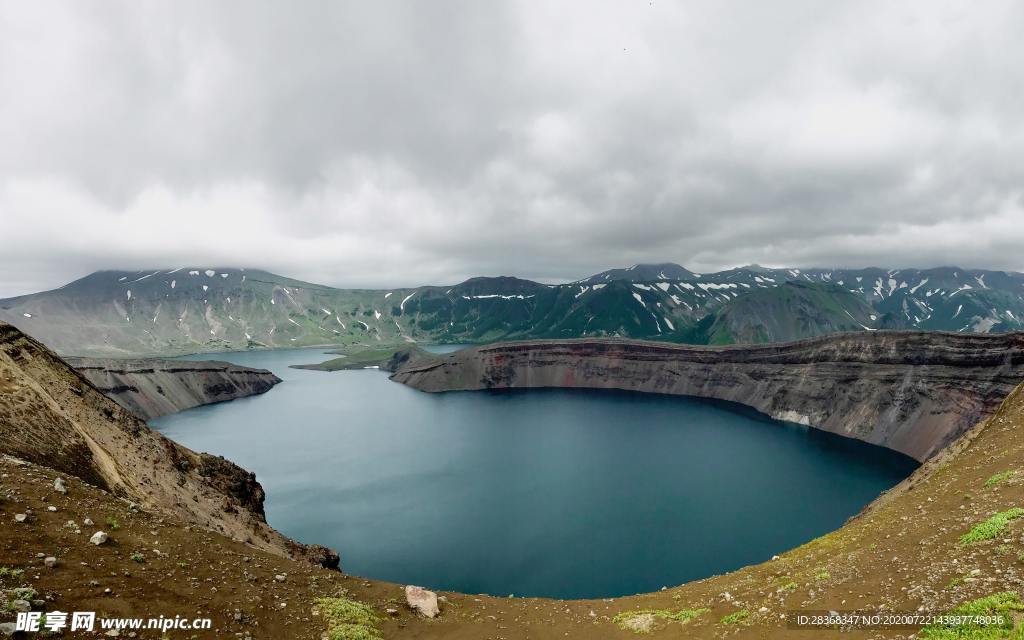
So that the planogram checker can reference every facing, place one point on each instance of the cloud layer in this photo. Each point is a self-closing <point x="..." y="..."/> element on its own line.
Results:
<point x="395" y="143"/>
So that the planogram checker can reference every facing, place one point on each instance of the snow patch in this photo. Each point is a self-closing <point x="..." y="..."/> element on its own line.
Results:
<point x="210" y="272"/>
<point x="402" y="306"/>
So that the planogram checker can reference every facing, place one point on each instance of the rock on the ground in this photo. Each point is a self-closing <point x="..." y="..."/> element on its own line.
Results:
<point x="21" y="605"/>
<point x="99" y="538"/>
<point x="50" y="561"/>
<point x="7" y="629"/>
<point x="60" y="486"/>
<point x="20" y="517"/>
<point x="422" y="600"/>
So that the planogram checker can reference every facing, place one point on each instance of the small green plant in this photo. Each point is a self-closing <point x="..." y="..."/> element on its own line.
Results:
<point x="113" y="523"/>
<point x="23" y="593"/>
<point x="992" y="527"/>
<point x="739" y="617"/>
<point x="10" y="572"/>
<point x="789" y="586"/>
<point x="998" y="604"/>
<point x="137" y="557"/>
<point x="348" y="619"/>
<point x="1002" y="476"/>
<point x="822" y="575"/>
<point x="955" y="582"/>
<point x="627" y="620"/>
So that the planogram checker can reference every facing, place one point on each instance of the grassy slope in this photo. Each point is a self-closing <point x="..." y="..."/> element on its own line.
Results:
<point x="361" y="358"/>
<point x="789" y="312"/>
<point x="903" y="553"/>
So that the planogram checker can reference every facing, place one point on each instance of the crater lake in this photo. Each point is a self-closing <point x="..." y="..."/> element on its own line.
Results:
<point x="558" y="493"/>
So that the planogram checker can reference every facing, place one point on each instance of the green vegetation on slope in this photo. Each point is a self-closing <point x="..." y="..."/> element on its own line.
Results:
<point x="999" y="606"/>
<point x="363" y="358"/>
<point x="348" y="619"/>
<point x="644" y="621"/>
<point x="992" y="527"/>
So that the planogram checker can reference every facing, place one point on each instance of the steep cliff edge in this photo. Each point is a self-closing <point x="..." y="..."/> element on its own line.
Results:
<point x="913" y="392"/>
<point x="52" y="415"/>
<point x="150" y="387"/>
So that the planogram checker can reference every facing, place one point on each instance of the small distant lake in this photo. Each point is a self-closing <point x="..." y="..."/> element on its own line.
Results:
<point x="560" y="493"/>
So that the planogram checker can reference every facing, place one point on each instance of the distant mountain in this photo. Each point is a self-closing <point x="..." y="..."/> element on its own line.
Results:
<point x="791" y="311"/>
<point x="194" y="309"/>
<point x="643" y="273"/>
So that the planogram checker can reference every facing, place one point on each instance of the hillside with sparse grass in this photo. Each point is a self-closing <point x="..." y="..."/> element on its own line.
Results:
<point x="202" y="309"/>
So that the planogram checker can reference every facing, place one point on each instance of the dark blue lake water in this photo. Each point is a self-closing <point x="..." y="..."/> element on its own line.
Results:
<point x="560" y="493"/>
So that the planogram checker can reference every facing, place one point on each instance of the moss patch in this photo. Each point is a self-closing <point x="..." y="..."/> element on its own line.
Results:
<point x="645" y="620"/>
<point x="739" y="617"/>
<point x="992" y="527"/>
<point x="348" y="619"/>
<point x="999" y="604"/>
<point x="999" y="477"/>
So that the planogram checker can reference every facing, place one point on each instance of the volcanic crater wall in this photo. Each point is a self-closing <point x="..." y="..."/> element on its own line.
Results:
<point x="913" y="392"/>
<point x="51" y="415"/>
<point x="150" y="387"/>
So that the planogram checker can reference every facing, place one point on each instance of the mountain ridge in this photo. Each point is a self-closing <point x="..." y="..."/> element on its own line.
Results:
<point x="204" y="309"/>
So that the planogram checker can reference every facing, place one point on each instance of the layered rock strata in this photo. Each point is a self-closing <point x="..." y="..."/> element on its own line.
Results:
<point x="913" y="392"/>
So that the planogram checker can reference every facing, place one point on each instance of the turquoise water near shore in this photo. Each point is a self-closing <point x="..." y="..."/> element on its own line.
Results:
<point x="559" y="493"/>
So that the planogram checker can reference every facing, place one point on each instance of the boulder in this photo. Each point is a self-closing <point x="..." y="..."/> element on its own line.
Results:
<point x="99" y="538"/>
<point x="50" y="561"/>
<point x="60" y="486"/>
<point x="21" y="605"/>
<point x="422" y="600"/>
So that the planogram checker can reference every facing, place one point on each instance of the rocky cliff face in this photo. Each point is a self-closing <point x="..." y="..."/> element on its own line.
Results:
<point x="53" y="416"/>
<point x="913" y="392"/>
<point x="150" y="388"/>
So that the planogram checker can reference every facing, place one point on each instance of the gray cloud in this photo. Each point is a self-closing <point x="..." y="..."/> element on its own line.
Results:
<point x="395" y="143"/>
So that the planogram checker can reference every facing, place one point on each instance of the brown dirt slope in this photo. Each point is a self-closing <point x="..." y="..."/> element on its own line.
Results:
<point x="51" y="415"/>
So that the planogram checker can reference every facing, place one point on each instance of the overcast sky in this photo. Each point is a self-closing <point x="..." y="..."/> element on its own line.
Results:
<point x="379" y="143"/>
